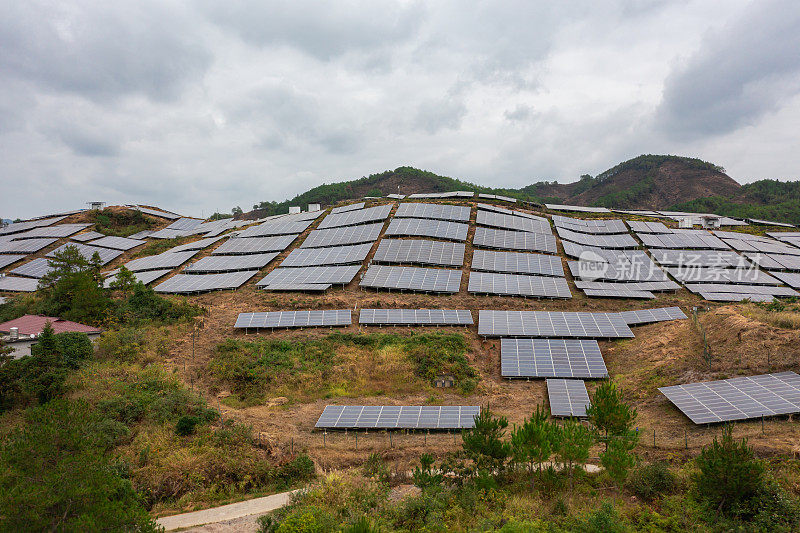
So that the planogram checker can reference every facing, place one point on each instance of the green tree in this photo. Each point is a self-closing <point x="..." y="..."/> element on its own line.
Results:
<point x="729" y="475"/>
<point x="618" y="457"/>
<point x="484" y="443"/>
<point x="236" y="211"/>
<point x="424" y="475"/>
<point x="72" y="289"/>
<point x="609" y="413"/>
<point x="532" y="442"/>
<point x="124" y="281"/>
<point x="572" y="444"/>
<point x="54" y="476"/>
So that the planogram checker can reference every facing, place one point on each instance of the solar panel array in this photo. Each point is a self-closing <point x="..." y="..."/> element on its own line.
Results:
<point x="141" y="234"/>
<point x="648" y="316"/>
<point x="619" y="292"/>
<point x="721" y="275"/>
<point x="420" y="252"/>
<point x="268" y="229"/>
<point x="27" y="246"/>
<point x="185" y="223"/>
<point x="644" y="270"/>
<point x="775" y="261"/>
<point x="704" y="288"/>
<point x="18" y="227"/>
<point x="294" y="319"/>
<point x="421" y="227"/>
<point x="146" y="277"/>
<point x="503" y="210"/>
<point x="648" y="227"/>
<point x="736" y="297"/>
<point x="230" y="263"/>
<point x="682" y="240"/>
<point x="397" y="417"/>
<point x="652" y="286"/>
<point x="88" y="236"/>
<point x="551" y="358"/>
<point x="767" y="247"/>
<point x="517" y="263"/>
<point x="355" y="217"/>
<point x="418" y="317"/>
<point x="337" y="255"/>
<point x="513" y="222"/>
<point x="170" y="234"/>
<point x="791" y="279"/>
<point x="118" y="243"/>
<point x="600" y="241"/>
<point x="737" y="398"/>
<point x="450" y="194"/>
<point x="160" y="261"/>
<point x="701" y="258"/>
<point x="55" y="232"/>
<point x="10" y="259"/>
<point x="396" y="196"/>
<point x="568" y="397"/>
<point x="314" y="275"/>
<point x="552" y="324"/>
<point x="15" y="284"/>
<point x="88" y="250"/>
<point x="576" y="208"/>
<point x="769" y="223"/>
<point x="194" y="283"/>
<point x="155" y="212"/>
<point x="518" y="285"/>
<point x="514" y="240"/>
<point x="254" y="245"/>
<point x="38" y="268"/>
<point x="497" y="197"/>
<point x="196" y="245"/>
<point x="596" y="227"/>
<point x="345" y="208"/>
<point x="320" y="238"/>
<point x="456" y="213"/>
<point x="412" y="278"/>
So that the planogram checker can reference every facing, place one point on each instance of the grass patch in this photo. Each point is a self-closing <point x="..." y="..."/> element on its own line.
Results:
<point x="339" y="365"/>
<point x="780" y="313"/>
<point x="121" y="223"/>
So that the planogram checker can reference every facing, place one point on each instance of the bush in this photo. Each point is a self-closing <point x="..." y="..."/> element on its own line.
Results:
<point x="186" y="425"/>
<point x="375" y="468"/>
<point x="651" y="480"/>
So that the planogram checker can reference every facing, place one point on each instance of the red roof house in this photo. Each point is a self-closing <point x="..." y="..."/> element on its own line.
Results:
<point x="34" y="324"/>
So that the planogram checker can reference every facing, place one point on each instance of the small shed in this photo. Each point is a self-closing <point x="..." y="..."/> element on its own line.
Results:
<point x="96" y="206"/>
<point x="444" y="381"/>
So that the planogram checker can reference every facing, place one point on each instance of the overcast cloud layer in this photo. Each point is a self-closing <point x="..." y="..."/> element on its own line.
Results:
<point x="201" y="106"/>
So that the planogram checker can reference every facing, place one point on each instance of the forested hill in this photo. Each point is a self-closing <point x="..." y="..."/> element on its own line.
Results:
<point x="644" y="182"/>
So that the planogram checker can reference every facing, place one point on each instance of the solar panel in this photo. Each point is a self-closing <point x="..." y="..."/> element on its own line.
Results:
<point x="299" y="287"/>
<point x="88" y="250"/>
<point x="775" y="261"/>
<point x="421" y="227"/>
<point x="640" y="270"/>
<point x="552" y="324"/>
<point x="118" y="243"/>
<point x="196" y="245"/>
<point x="356" y="216"/>
<point x="749" y="276"/>
<point x="513" y="222"/>
<point x="517" y="263"/>
<point x="195" y="283"/>
<point x="88" y="236"/>
<point x="648" y="316"/>
<point x="412" y="278"/>
<point x="504" y="211"/>
<point x="652" y="286"/>
<point x="147" y="277"/>
<point x="420" y="251"/>
<point x="767" y="247"/>
<point x="620" y="292"/>
<point x="38" y="268"/>
<point x="160" y="261"/>
<point x="568" y="397"/>
<point x="230" y="263"/>
<point x="497" y="197"/>
<point x="418" y="317"/>
<point x="791" y="279"/>
<point x="551" y="358"/>
<point x="10" y="259"/>
<point x="337" y="255"/>
<point x="682" y="240"/>
<point x="296" y="217"/>
<point x="784" y="235"/>
<point x="254" y="245"/>
<point x="735" y="297"/>
<point x="321" y="238"/>
<point x="514" y="240"/>
<point x="601" y="241"/>
<point x="294" y="319"/>
<point x="396" y="196"/>
<point x="703" y="288"/>
<point x="648" y="227"/>
<point x="576" y="208"/>
<point x="170" y="234"/>
<point x="155" y="212"/>
<point x="26" y="246"/>
<point x="598" y="226"/>
<point x="268" y="229"/>
<point x="456" y="213"/>
<point x="397" y="417"/>
<point x="769" y="223"/>
<point x="345" y="208"/>
<point x="140" y="235"/>
<point x="316" y="275"/>
<point x="737" y="398"/>
<point x="14" y="284"/>
<point x="701" y="258"/>
<point x="19" y="227"/>
<point x="54" y="232"/>
<point x="518" y="285"/>
<point x="450" y="194"/>
<point x="184" y="224"/>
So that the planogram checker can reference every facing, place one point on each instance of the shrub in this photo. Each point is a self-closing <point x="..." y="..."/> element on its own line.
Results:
<point x="375" y="468"/>
<point x="186" y="425"/>
<point x="651" y="480"/>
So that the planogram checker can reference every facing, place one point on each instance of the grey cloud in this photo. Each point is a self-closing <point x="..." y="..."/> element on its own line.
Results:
<point x="102" y="49"/>
<point x="747" y="69"/>
<point x="434" y="116"/>
<point x="519" y="114"/>
<point x="322" y="29"/>
<point x="86" y="143"/>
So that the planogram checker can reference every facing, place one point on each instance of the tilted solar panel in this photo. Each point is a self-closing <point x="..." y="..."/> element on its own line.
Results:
<point x="356" y="216"/>
<point x="27" y="246"/>
<point x="321" y="238"/>
<point x="196" y="245"/>
<point x="118" y="243"/>
<point x="254" y="245"/>
<point x="735" y="297"/>
<point x="268" y="229"/>
<point x="514" y="240"/>
<point x="518" y="285"/>
<point x="38" y="268"/>
<point x="412" y="278"/>
<point x="88" y="236"/>
<point x="548" y="358"/>
<point x="420" y="251"/>
<point x="740" y="288"/>
<point x="230" y="263"/>
<point x="195" y="283"/>
<point x="592" y="226"/>
<point x="513" y="222"/>
<point x="648" y="316"/>
<point x="747" y="276"/>
<point x="517" y="263"/>
<point x="54" y="232"/>
<point x="10" y="259"/>
<point x="88" y="250"/>
<point x="146" y="277"/>
<point x="346" y="208"/>
<point x="775" y="261"/>
<point x="19" y="227"/>
<point x="576" y="208"/>
<point x="601" y="241"/>
<point x="456" y="213"/>
<point x="418" y="317"/>
<point x="568" y="397"/>
<point x="336" y="255"/>
<point x="710" y="258"/>
<point x="160" y="261"/>
<point x="397" y="417"/>
<point x="316" y="275"/>
<point x="294" y="319"/>
<point x="648" y="227"/>
<point x="652" y="286"/>
<point x="620" y="292"/>
<point x="791" y="279"/>
<point x="552" y="324"/>
<point x="421" y="227"/>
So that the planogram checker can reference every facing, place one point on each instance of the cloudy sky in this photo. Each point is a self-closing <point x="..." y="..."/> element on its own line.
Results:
<point x="201" y="106"/>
